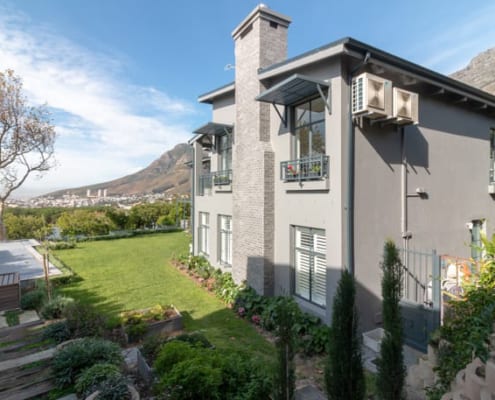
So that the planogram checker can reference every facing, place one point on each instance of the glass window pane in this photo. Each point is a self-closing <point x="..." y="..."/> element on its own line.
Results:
<point x="303" y="114"/>
<point x="318" y="138"/>
<point x="317" y="109"/>
<point x="303" y="142"/>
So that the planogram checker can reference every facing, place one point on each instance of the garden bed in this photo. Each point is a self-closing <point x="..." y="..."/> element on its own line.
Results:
<point x="158" y="320"/>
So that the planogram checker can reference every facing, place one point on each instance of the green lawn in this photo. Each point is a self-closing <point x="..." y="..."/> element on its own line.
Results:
<point x="135" y="273"/>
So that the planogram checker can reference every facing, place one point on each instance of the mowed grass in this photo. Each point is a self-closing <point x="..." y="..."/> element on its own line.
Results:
<point x="128" y="274"/>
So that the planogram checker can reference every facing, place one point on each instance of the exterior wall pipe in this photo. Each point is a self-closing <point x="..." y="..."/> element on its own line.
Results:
<point x="193" y="197"/>
<point x="349" y="206"/>
<point x="403" y="189"/>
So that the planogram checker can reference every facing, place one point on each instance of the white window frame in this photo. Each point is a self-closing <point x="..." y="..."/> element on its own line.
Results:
<point x="309" y="264"/>
<point x="204" y="233"/>
<point x="225" y="240"/>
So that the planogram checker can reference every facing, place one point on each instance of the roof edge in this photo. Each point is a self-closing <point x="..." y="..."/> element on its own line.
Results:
<point x="208" y="97"/>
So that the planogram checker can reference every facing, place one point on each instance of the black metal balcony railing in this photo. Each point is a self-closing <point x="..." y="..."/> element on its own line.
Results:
<point x="204" y="183"/>
<point x="221" y="178"/>
<point x="304" y="169"/>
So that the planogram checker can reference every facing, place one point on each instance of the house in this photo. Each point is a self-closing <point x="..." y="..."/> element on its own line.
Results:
<point x="310" y="163"/>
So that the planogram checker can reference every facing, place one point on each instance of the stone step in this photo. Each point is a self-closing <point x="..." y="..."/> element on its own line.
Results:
<point x="19" y="362"/>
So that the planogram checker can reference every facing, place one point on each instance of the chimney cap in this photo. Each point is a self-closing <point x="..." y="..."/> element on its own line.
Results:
<point x="264" y="12"/>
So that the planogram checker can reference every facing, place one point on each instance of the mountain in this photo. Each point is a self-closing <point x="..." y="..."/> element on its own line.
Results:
<point x="480" y="72"/>
<point x="168" y="174"/>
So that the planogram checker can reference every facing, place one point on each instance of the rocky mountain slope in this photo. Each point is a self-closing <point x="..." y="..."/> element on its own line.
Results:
<point x="168" y="174"/>
<point x="480" y="72"/>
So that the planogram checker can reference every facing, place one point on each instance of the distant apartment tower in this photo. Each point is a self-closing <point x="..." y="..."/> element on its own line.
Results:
<point x="88" y="193"/>
<point x="105" y="192"/>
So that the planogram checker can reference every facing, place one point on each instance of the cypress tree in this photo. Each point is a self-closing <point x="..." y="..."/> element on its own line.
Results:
<point x="391" y="370"/>
<point x="344" y="376"/>
<point x="285" y="379"/>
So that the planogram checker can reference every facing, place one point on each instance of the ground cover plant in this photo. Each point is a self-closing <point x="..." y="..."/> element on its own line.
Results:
<point x="136" y="273"/>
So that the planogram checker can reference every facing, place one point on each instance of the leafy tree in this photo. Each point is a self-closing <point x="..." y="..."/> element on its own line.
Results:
<point x="84" y="222"/>
<point x="25" y="226"/>
<point x="344" y="376"/>
<point x="391" y="370"/>
<point x="27" y="139"/>
<point x="120" y="218"/>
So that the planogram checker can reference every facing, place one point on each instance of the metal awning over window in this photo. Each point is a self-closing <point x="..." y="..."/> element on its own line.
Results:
<point x="214" y="128"/>
<point x="293" y="90"/>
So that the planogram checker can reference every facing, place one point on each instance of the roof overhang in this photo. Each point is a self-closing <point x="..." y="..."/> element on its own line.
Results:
<point x="292" y="90"/>
<point x="210" y="97"/>
<point x="214" y="129"/>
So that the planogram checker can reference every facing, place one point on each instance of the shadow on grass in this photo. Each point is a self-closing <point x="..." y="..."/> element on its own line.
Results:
<point x="101" y="303"/>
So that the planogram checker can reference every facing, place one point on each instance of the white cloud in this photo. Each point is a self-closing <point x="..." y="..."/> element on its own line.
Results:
<point x="106" y="127"/>
<point x="455" y="42"/>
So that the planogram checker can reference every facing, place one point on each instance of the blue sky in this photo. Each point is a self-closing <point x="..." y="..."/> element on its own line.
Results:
<point x="122" y="77"/>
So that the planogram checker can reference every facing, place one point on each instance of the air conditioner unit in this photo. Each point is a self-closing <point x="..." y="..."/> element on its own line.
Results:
<point x="405" y="106"/>
<point x="371" y="96"/>
<point x="491" y="188"/>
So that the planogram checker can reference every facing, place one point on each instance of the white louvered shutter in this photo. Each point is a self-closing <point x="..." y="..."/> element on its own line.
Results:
<point x="320" y="269"/>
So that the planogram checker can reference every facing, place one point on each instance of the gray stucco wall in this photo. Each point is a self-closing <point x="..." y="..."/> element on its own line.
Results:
<point x="315" y="204"/>
<point x="218" y="200"/>
<point x="448" y="156"/>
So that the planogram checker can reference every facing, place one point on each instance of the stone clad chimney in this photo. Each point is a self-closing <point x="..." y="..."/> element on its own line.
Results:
<point x="260" y="41"/>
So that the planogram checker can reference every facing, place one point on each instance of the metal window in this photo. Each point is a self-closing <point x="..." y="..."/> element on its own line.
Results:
<point x="225" y="239"/>
<point x="310" y="267"/>
<point x="204" y="233"/>
<point x="309" y="128"/>
<point x="225" y="152"/>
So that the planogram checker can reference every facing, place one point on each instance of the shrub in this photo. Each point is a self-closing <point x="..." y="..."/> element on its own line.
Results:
<point x="83" y="320"/>
<point x="211" y="374"/>
<point x="225" y="288"/>
<point x="114" y="388"/>
<point x="196" y="339"/>
<point x="61" y="245"/>
<point x="33" y="300"/>
<point x="192" y="379"/>
<point x="72" y="359"/>
<point x="391" y="370"/>
<point x="58" y="332"/>
<point x="344" y="376"/>
<point x="466" y="329"/>
<point x="172" y="353"/>
<point x="90" y="378"/>
<point x="152" y="346"/>
<point x="54" y="308"/>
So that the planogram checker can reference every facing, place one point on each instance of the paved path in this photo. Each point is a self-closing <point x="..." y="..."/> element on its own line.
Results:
<point x="20" y="256"/>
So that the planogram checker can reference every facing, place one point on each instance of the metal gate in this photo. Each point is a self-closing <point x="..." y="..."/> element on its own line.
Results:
<point x="421" y="301"/>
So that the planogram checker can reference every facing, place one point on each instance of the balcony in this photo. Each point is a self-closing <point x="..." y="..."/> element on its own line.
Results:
<point x="222" y="178"/>
<point x="304" y="169"/>
<point x="204" y="183"/>
<point x="308" y="173"/>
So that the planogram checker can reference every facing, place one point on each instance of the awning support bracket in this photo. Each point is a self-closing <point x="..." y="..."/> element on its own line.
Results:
<point x="326" y="99"/>
<point x="283" y="118"/>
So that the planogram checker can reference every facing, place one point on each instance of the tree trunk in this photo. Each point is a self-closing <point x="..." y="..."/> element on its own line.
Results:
<point x="3" y="231"/>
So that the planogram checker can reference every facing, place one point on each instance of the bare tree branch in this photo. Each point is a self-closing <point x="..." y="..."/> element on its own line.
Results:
<point x="27" y="139"/>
